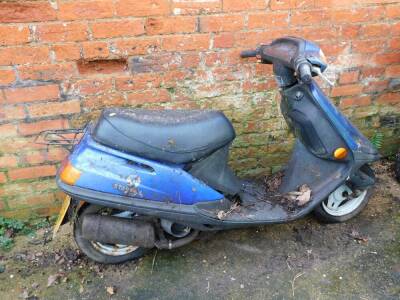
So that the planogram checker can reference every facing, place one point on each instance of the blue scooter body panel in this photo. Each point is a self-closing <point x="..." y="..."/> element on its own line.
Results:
<point x="348" y="132"/>
<point x="107" y="170"/>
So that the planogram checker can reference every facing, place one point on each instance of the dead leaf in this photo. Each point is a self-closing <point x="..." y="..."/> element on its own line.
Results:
<point x="111" y="290"/>
<point x="300" y="197"/>
<point x="357" y="236"/>
<point x="81" y="289"/>
<point x="24" y="294"/>
<point x="305" y="195"/>
<point x="53" y="279"/>
<point x="222" y="214"/>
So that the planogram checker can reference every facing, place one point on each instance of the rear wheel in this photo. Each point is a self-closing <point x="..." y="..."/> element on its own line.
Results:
<point x="343" y="204"/>
<point x="101" y="252"/>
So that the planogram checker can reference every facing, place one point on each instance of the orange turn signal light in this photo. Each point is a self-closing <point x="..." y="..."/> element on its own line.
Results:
<point x="340" y="153"/>
<point x="69" y="174"/>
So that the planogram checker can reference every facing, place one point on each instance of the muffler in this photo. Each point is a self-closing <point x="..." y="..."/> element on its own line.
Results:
<point x="115" y="230"/>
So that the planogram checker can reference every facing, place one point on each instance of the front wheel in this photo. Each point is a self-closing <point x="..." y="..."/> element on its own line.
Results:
<point x="343" y="204"/>
<point x="101" y="252"/>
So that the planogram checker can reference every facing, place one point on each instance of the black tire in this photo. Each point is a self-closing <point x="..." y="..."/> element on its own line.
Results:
<point x="323" y="216"/>
<point x="88" y="248"/>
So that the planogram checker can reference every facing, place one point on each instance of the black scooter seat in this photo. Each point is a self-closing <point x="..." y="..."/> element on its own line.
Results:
<point x="174" y="136"/>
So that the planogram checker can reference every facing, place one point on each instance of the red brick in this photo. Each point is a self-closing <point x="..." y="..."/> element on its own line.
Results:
<point x="78" y="10"/>
<point x="312" y="17"/>
<point x="95" y="50"/>
<point x="110" y="29"/>
<point x="245" y="39"/>
<point x="282" y="4"/>
<point x="26" y="11"/>
<point x="32" y="172"/>
<point x="7" y="130"/>
<point x="54" y="109"/>
<point x="7" y="76"/>
<point x="92" y="86"/>
<point x="268" y="20"/>
<point x="97" y="67"/>
<point x="8" y="161"/>
<point x="24" y="55"/>
<point x="349" y="15"/>
<point x="8" y="113"/>
<point x="138" y="82"/>
<point x="186" y="42"/>
<point x="368" y="46"/>
<point x="224" y="40"/>
<point x="33" y="158"/>
<point x="393" y="71"/>
<point x="42" y="199"/>
<point x="389" y="58"/>
<point x="13" y="35"/>
<point x="240" y="5"/>
<point x="37" y="127"/>
<point x="349" y="31"/>
<point x="374" y="30"/>
<point x="65" y="32"/>
<point x="66" y="52"/>
<point x="393" y="11"/>
<point x="138" y="46"/>
<point x="143" y="97"/>
<point x="47" y="72"/>
<point x="326" y="33"/>
<point x="3" y="178"/>
<point x="376" y="86"/>
<point x="142" y="8"/>
<point x="180" y="7"/>
<point x="394" y="44"/>
<point x="221" y="23"/>
<point x="104" y="100"/>
<point x="355" y="101"/>
<point x="374" y="72"/>
<point x="56" y="154"/>
<point x="389" y="98"/>
<point x="334" y="49"/>
<point x="345" y="90"/>
<point x="349" y="77"/>
<point x="170" y="25"/>
<point x="33" y="93"/>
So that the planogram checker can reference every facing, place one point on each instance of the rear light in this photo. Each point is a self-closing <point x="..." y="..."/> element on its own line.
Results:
<point x="70" y="174"/>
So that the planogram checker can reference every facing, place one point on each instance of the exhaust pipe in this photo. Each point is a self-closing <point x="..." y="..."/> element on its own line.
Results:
<point x="175" y="229"/>
<point x="115" y="230"/>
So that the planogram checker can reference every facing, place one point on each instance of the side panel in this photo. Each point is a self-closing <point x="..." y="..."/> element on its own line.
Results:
<point x="111" y="171"/>
<point x="311" y="123"/>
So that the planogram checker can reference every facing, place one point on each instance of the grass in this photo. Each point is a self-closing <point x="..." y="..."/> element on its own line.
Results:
<point x="9" y="228"/>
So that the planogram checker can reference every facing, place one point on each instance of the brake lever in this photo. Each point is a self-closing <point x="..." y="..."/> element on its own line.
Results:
<point x="317" y="71"/>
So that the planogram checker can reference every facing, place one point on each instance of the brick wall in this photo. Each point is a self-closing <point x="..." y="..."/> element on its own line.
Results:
<point x="61" y="62"/>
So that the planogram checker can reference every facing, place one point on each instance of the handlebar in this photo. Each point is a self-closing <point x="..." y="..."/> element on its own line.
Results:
<point x="248" y="53"/>
<point x="304" y="72"/>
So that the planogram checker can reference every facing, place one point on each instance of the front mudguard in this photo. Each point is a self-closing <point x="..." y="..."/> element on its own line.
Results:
<point x="363" y="178"/>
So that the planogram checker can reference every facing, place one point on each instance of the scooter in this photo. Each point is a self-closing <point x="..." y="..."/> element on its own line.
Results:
<point x="139" y="179"/>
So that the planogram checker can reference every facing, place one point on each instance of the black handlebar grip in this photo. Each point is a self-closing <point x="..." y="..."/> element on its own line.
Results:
<point x="304" y="71"/>
<point x="248" y="53"/>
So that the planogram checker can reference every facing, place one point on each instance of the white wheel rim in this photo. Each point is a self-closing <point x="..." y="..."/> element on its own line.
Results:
<point x="117" y="249"/>
<point x="340" y="203"/>
<point x="113" y="250"/>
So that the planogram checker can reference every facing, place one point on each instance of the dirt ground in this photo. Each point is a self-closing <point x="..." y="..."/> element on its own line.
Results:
<point x="301" y="260"/>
